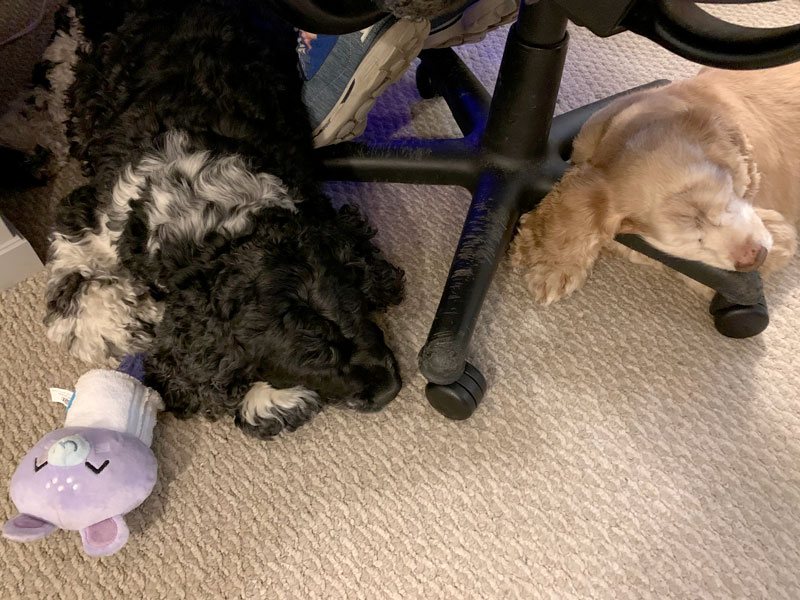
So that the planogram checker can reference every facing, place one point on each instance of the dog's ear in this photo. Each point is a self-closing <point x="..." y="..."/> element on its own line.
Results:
<point x="381" y="282"/>
<point x="356" y="229"/>
<point x="726" y="145"/>
<point x="319" y="343"/>
<point x="595" y="129"/>
<point x="572" y="222"/>
<point x="604" y="135"/>
<point x="581" y="214"/>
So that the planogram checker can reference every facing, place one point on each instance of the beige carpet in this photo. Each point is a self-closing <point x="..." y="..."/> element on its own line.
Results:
<point x="624" y="450"/>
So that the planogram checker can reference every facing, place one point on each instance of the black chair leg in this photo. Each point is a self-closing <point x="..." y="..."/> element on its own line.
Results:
<point x="486" y="234"/>
<point x="510" y="158"/>
<point x="443" y="73"/>
<point x="487" y="231"/>
<point x="433" y="162"/>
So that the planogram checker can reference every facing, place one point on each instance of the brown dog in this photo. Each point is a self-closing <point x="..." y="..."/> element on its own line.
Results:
<point x="706" y="169"/>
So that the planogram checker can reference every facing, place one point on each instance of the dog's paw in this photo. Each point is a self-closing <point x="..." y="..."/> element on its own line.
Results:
<point x="266" y="411"/>
<point x="550" y="283"/>
<point x="522" y="251"/>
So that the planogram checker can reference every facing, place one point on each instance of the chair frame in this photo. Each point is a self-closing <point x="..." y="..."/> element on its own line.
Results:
<point x="512" y="152"/>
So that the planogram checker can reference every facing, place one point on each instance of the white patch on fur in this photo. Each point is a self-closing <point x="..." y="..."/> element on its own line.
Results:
<point x="195" y="193"/>
<point x="263" y="401"/>
<point x="106" y="325"/>
<point x="111" y="309"/>
<point x="127" y="188"/>
<point x="741" y="217"/>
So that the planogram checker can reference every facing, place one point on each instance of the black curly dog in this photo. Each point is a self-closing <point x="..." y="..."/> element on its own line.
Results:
<point x="203" y="237"/>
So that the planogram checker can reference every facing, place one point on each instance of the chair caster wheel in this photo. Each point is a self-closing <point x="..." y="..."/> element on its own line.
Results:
<point x="737" y="321"/>
<point x="458" y="400"/>
<point x="424" y="83"/>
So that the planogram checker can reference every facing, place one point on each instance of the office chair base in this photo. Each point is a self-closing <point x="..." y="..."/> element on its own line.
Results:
<point x="458" y="400"/>
<point x="737" y="320"/>
<point x="512" y="153"/>
<point x="425" y="85"/>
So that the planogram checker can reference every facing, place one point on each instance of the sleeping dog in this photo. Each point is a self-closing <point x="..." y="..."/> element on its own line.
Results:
<point x="203" y="238"/>
<point x="705" y="169"/>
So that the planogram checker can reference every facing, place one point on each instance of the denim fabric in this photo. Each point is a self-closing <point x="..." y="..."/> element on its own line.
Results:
<point x="329" y="62"/>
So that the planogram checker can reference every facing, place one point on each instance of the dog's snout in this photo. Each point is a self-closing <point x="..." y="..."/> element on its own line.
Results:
<point x="384" y="384"/>
<point x="373" y="376"/>
<point x="387" y="392"/>
<point x="750" y="256"/>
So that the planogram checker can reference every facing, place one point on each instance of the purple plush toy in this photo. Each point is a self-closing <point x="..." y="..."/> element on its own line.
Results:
<point x="99" y="467"/>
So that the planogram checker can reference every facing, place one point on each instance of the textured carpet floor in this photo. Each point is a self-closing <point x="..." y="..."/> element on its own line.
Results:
<point x="624" y="450"/>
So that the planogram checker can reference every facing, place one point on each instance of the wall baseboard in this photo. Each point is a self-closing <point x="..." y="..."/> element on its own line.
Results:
<point x="18" y="261"/>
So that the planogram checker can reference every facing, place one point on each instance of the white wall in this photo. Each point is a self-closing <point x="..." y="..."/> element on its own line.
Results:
<point x="18" y="261"/>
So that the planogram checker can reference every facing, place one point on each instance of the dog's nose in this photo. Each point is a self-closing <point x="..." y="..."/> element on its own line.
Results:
<point x="386" y="392"/>
<point x="750" y="257"/>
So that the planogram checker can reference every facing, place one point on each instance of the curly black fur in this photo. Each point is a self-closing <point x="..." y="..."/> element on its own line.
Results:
<point x="223" y="71"/>
<point x="203" y="238"/>
<point x="20" y="169"/>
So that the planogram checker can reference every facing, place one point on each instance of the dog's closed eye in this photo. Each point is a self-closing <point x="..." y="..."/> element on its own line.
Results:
<point x="702" y="219"/>
<point x="695" y="219"/>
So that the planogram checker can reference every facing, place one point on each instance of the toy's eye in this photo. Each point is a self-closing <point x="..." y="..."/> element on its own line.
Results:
<point x="69" y="451"/>
<point x="96" y="470"/>
<point x="37" y="467"/>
